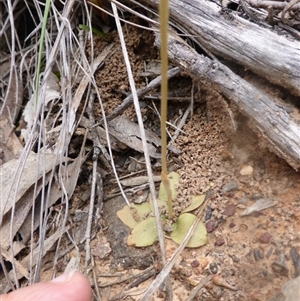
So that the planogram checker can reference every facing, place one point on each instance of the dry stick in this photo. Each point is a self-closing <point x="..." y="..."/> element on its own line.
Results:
<point x="287" y="8"/>
<point x="274" y="4"/>
<point x="170" y="98"/>
<point x="98" y="296"/>
<point x="168" y="266"/>
<point x="12" y="55"/>
<point x="198" y="287"/>
<point x="270" y="15"/>
<point x="143" y="136"/>
<point x="97" y="147"/>
<point x="100" y="196"/>
<point x="182" y="122"/>
<point x="129" y="191"/>
<point x="142" y="278"/>
<point x="126" y="278"/>
<point x="250" y="12"/>
<point x="141" y="92"/>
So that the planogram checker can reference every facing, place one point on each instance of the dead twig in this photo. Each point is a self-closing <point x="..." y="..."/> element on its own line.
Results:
<point x="142" y="278"/>
<point x="199" y="286"/>
<point x="288" y="7"/>
<point x="98" y="296"/>
<point x="182" y="122"/>
<point x="97" y="147"/>
<point x="126" y="278"/>
<point x="274" y="4"/>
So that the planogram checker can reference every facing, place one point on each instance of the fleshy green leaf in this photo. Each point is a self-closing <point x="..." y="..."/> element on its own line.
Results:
<point x="182" y="226"/>
<point x="144" y="234"/>
<point x="126" y="217"/>
<point x="174" y="181"/>
<point x="196" y="201"/>
<point x="133" y="215"/>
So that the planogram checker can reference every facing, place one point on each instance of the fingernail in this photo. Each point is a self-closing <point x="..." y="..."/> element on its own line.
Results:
<point x="64" y="277"/>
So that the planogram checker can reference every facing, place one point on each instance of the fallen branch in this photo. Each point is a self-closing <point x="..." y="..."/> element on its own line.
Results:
<point x="271" y="120"/>
<point x="272" y="56"/>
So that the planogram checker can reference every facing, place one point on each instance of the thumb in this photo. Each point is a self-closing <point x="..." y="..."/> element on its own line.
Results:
<point x="67" y="287"/>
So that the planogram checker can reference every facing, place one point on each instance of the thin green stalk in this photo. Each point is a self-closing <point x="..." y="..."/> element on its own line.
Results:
<point x="164" y="16"/>
<point x="40" y="54"/>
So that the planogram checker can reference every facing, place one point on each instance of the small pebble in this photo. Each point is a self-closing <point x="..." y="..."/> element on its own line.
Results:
<point x="255" y="197"/>
<point x="243" y="227"/>
<point x="265" y="238"/>
<point x="195" y="263"/>
<point x="246" y="170"/>
<point x="102" y="250"/>
<point x="279" y="269"/>
<point x="208" y="213"/>
<point x="232" y="224"/>
<point x="234" y="258"/>
<point x="289" y="291"/>
<point x="232" y="185"/>
<point x="269" y="253"/>
<point x="219" y="242"/>
<point x="210" y="225"/>
<point x="213" y="268"/>
<point x="229" y="210"/>
<point x="257" y="254"/>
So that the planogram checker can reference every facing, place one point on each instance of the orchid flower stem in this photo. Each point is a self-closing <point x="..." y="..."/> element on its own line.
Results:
<point x="164" y="16"/>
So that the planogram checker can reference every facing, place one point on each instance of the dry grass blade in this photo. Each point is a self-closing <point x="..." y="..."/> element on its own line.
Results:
<point x="31" y="177"/>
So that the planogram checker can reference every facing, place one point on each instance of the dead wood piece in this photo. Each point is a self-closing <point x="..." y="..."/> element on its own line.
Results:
<point x="232" y="37"/>
<point x="274" y="4"/>
<point x="128" y="133"/>
<point x="274" y="123"/>
<point x="199" y="286"/>
<point x="288" y="7"/>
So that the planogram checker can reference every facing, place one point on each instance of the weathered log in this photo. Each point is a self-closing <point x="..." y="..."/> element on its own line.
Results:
<point x="259" y="49"/>
<point x="271" y="120"/>
<point x="274" y="57"/>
